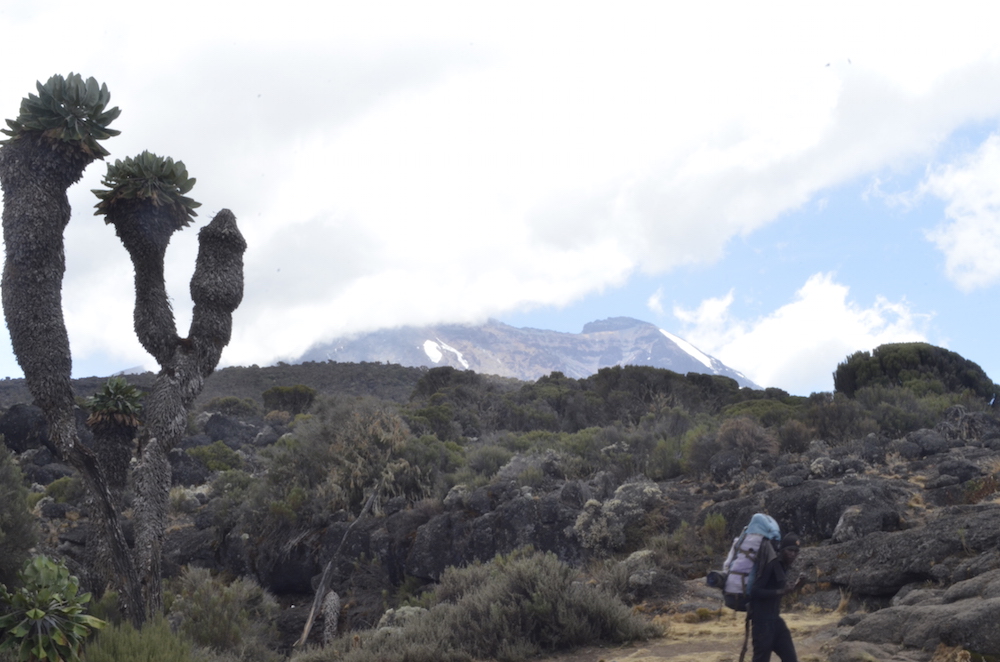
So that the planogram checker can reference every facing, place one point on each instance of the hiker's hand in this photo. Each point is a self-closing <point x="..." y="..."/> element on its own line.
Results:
<point x="799" y="583"/>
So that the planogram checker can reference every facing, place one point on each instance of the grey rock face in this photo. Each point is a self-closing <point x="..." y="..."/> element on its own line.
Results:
<point x="882" y="563"/>
<point x="970" y="624"/>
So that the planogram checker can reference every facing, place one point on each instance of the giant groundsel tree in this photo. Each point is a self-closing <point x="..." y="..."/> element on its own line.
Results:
<point x="145" y="202"/>
<point x="51" y="142"/>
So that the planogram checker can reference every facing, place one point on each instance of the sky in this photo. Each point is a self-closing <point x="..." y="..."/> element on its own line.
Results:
<point x="780" y="184"/>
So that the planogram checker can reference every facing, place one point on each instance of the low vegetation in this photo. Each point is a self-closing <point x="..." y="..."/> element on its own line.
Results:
<point x="515" y="607"/>
<point x="317" y="456"/>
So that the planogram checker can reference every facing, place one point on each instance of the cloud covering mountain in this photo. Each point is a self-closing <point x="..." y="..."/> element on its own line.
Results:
<point x="410" y="164"/>
<point x="499" y="349"/>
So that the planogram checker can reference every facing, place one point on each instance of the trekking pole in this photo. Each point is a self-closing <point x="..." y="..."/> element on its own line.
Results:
<point x="746" y="636"/>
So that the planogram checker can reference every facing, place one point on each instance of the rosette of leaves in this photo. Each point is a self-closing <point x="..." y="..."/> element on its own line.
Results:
<point x="149" y="178"/>
<point x="45" y="618"/>
<point x="117" y="405"/>
<point x="67" y="110"/>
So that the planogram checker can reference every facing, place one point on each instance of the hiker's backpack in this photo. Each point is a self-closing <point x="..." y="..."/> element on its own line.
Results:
<point x="740" y="569"/>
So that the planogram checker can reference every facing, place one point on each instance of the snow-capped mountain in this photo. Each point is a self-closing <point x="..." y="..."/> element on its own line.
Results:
<point x="527" y="354"/>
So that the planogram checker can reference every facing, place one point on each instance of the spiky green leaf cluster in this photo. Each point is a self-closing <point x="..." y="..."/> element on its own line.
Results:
<point x="117" y="404"/>
<point x="67" y="109"/>
<point x="157" y="179"/>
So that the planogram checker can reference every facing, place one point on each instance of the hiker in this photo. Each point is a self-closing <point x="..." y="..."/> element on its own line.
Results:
<point x="770" y="634"/>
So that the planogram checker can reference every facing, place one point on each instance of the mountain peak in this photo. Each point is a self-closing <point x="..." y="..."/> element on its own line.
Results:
<point x="613" y="324"/>
<point x="495" y="348"/>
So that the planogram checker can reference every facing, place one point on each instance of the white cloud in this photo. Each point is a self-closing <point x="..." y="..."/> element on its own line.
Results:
<point x="970" y="239"/>
<point x="798" y="346"/>
<point x="655" y="301"/>
<point x="402" y="163"/>
<point x="715" y="327"/>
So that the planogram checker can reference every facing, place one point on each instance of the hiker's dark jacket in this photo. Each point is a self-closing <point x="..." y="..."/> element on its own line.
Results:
<point x="765" y="600"/>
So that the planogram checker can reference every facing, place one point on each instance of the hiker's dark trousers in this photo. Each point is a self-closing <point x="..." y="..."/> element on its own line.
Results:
<point x="771" y="634"/>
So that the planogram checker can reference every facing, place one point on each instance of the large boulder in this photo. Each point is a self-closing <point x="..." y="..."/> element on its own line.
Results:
<point x="929" y="442"/>
<point x="23" y="427"/>
<point x="858" y="521"/>
<point x="185" y="470"/>
<point x="234" y="433"/>
<point x="970" y="624"/>
<point x="793" y="507"/>
<point x="457" y="537"/>
<point x="814" y="508"/>
<point x="881" y="563"/>
<point x="877" y="499"/>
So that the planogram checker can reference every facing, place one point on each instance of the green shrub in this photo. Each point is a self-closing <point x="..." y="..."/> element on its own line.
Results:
<point x="794" y="436"/>
<point x="531" y="477"/>
<point x="293" y="399"/>
<point x="837" y="418"/>
<point x="277" y="417"/>
<point x="768" y="413"/>
<point x="221" y="616"/>
<point x="713" y="533"/>
<point x="216" y="456"/>
<point x="667" y="459"/>
<point x="616" y="576"/>
<point x="44" y="618"/>
<point x="229" y="405"/>
<point x="108" y="608"/>
<point x="487" y="460"/>
<point x="155" y="642"/>
<point x="922" y="367"/>
<point x="748" y="438"/>
<point x="18" y="529"/>
<point x="68" y="489"/>
<point x="700" y="445"/>
<point x="434" y="460"/>
<point x="515" y="607"/>
<point x="899" y="410"/>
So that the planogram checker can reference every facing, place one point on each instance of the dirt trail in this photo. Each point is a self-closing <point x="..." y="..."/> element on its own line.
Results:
<point x="716" y="640"/>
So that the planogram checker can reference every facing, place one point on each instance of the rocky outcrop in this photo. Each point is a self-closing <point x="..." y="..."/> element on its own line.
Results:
<point x="473" y="530"/>
<point x="963" y="615"/>
<point x="882" y="563"/>
<point x="814" y="508"/>
<point x="23" y="427"/>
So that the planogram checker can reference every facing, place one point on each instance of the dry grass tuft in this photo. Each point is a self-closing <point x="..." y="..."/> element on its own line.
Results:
<point x="945" y="653"/>
<point x="845" y="601"/>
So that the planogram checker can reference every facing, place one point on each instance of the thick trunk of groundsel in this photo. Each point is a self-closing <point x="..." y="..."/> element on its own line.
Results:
<point x="145" y="230"/>
<point x="217" y="289"/>
<point x="35" y="213"/>
<point x="35" y="173"/>
<point x="113" y="445"/>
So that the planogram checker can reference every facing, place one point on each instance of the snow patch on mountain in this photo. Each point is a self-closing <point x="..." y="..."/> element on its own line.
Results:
<point x="691" y="350"/>
<point x="435" y="352"/>
<point x="432" y="351"/>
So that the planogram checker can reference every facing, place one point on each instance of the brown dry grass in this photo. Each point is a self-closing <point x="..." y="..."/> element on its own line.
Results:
<point x="716" y="640"/>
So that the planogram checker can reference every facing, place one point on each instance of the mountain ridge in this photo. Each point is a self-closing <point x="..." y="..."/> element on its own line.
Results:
<point x="526" y="353"/>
